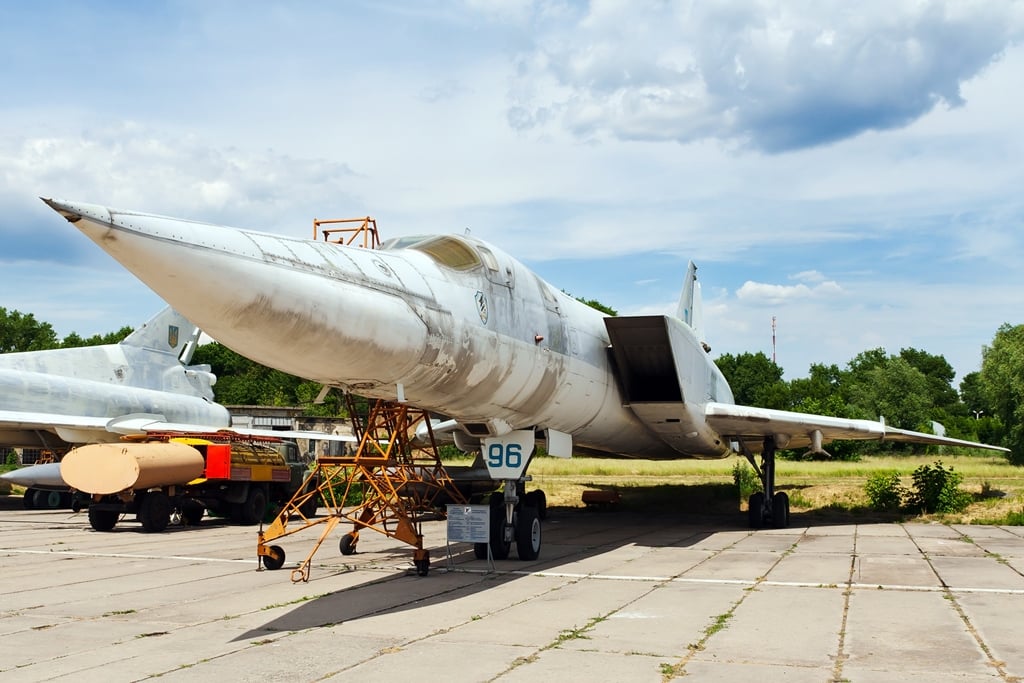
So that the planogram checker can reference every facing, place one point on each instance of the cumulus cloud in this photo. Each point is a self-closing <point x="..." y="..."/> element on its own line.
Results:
<point x="774" y="75"/>
<point x="134" y="167"/>
<point x="759" y="292"/>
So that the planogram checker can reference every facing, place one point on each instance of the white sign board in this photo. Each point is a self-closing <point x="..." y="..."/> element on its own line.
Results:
<point x="469" y="523"/>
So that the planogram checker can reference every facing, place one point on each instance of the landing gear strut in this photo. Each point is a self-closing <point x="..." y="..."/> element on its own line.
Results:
<point x="514" y="519"/>
<point x="767" y="507"/>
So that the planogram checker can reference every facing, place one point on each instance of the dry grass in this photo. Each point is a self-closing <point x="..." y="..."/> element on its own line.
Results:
<point x="816" y="489"/>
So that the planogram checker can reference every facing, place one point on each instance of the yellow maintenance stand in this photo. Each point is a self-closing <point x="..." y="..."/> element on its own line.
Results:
<point x="390" y="485"/>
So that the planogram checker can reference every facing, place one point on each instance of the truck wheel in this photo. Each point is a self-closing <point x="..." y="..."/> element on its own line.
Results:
<point x="46" y="500"/>
<point x="310" y="507"/>
<point x="192" y="512"/>
<point x="254" y="506"/>
<point x="102" y="520"/>
<point x="29" y="499"/>
<point x="155" y="511"/>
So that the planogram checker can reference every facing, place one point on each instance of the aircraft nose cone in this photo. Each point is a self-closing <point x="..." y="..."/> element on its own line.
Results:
<point x="74" y="211"/>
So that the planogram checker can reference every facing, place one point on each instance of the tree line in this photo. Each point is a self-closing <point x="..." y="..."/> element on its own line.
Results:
<point x="911" y="389"/>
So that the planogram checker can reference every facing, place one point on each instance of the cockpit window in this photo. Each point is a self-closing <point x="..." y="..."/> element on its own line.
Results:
<point x="446" y="250"/>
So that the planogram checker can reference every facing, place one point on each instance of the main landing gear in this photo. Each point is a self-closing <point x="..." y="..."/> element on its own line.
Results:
<point x="517" y="520"/>
<point x="767" y="507"/>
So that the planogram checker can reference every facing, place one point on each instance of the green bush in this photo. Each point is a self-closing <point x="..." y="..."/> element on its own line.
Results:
<point x="937" y="489"/>
<point x="746" y="479"/>
<point x="884" y="491"/>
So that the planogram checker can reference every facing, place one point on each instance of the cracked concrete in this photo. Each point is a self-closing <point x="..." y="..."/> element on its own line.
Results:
<point x="614" y="597"/>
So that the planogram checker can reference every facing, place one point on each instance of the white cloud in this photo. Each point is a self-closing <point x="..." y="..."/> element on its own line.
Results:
<point x="808" y="276"/>
<point x="775" y="75"/>
<point x="775" y="294"/>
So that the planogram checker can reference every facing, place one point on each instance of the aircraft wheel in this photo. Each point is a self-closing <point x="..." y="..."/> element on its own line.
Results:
<point x="155" y="511"/>
<point x="103" y="520"/>
<point x="275" y="561"/>
<point x="347" y="545"/>
<point x="528" y="534"/>
<point x="755" y="510"/>
<point x="780" y="510"/>
<point x="29" y="499"/>
<point x="499" y="546"/>
<point x="254" y="507"/>
<point x="480" y="551"/>
<point x="539" y="500"/>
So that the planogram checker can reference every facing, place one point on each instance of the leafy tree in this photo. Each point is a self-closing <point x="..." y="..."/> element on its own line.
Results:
<point x="594" y="303"/>
<point x="755" y="380"/>
<point x="74" y="340"/>
<point x="22" y="332"/>
<point x="972" y="394"/>
<point x="939" y="375"/>
<point x="895" y="390"/>
<point x="1001" y="381"/>
<point x="241" y="381"/>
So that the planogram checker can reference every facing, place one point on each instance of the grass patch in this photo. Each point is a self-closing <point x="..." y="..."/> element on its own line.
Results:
<point x="831" y="491"/>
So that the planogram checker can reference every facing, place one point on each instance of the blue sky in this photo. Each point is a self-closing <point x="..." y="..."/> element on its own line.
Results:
<point x="852" y="169"/>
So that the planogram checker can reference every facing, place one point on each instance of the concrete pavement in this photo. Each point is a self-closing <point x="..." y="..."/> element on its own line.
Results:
<point x="615" y="597"/>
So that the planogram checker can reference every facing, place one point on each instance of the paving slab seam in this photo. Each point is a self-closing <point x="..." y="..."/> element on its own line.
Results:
<point x="841" y="654"/>
<point x="275" y="637"/>
<point x="657" y="582"/>
<point x="996" y="664"/>
<point x="679" y="669"/>
<point x="129" y="556"/>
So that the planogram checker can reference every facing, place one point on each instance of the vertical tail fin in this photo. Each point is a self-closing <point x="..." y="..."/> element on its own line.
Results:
<point x="168" y="332"/>
<point x="690" y="309"/>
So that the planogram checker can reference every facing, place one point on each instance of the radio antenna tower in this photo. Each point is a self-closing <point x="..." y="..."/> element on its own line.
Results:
<point x="773" y="340"/>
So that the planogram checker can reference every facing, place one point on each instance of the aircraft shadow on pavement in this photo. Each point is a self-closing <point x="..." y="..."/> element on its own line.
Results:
<point x="678" y="516"/>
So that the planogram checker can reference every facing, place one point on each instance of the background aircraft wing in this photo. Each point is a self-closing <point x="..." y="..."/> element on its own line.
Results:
<point x="796" y="430"/>
<point x="21" y="420"/>
<point x="18" y="428"/>
<point x="142" y="423"/>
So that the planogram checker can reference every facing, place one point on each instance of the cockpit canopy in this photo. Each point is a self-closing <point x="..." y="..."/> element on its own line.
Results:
<point x="447" y="250"/>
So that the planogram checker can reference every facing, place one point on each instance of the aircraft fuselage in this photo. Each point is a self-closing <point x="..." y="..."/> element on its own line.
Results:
<point x="450" y="324"/>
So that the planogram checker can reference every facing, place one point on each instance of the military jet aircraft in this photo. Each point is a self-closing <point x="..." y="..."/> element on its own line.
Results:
<point x="456" y="326"/>
<point x="57" y="398"/>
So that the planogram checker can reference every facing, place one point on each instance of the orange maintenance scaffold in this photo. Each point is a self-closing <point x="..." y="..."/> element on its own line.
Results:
<point x="390" y="485"/>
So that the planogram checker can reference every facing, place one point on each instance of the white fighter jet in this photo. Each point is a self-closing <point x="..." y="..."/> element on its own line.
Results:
<point x="58" y="398"/>
<point x="455" y="326"/>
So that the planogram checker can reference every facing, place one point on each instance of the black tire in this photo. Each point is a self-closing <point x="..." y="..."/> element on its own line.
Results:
<point x="528" y="533"/>
<point x="539" y="500"/>
<point x="46" y="500"/>
<point x="254" y="507"/>
<point x="275" y="561"/>
<point x="780" y="510"/>
<point x="103" y="520"/>
<point x="155" y="511"/>
<point x="347" y="544"/>
<point x="29" y="499"/>
<point x="755" y="510"/>
<point x="192" y="512"/>
<point x="422" y="567"/>
<point x="310" y="507"/>
<point x="480" y="551"/>
<point x="499" y="547"/>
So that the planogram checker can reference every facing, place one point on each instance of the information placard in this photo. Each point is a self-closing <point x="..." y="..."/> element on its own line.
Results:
<point x="469" y="523"/>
